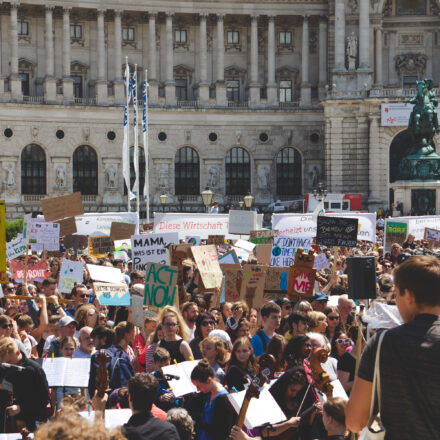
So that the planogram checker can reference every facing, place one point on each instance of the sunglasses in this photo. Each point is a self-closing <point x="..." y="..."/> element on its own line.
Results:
<point x="206" y="323"/>
<point x="170" y="324"/>
<point x="85" y="295"/>
<point x="333" y="318"/>
<point x="343" y="341"/>
<point x="5" y="326"/>
<point x="288" y="306"/>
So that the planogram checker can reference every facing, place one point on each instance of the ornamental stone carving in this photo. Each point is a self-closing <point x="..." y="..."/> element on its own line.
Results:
<point x="60" y="176"/>
<point x="162" y="176"/>
<point x="213" y="177"/>
<point x="111" y="177"/>
<point x="9" y="180"/>
<point x="411" y="64"/>
<point x="263" y="173"/>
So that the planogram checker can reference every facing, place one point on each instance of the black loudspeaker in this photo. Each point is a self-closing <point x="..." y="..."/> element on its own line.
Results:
<point x="361" y="273"/>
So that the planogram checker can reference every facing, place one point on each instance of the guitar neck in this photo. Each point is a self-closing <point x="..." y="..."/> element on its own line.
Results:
<point x="243" y="411"/>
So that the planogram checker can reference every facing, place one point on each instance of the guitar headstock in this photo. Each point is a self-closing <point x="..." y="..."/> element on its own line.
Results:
<point x="265" y="375"/>
<point x="102" y="374"/>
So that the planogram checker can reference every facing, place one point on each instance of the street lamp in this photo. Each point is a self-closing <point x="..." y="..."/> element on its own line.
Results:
<point x="240" y="204"/>
<point x="163" y="200"/>
<point x="248" y="200"/>
<point x="320" y="192"/>
<point x="207" y="195"/>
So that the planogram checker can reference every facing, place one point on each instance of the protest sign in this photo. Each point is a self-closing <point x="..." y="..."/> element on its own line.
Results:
<point x="284" y="249"/>
<point x="105" y="273"/>
<point x="44" y="235"/>
<point x="252" y="286"/>
<point x="185" y="224"/>
<point x="100" y="246"/>
<point x="112" y="294"/>
<point x="3" y="276"/>
<point x="395" y="232"/>
<point x="121" y="231"/>
<point x="275" y="284"/>
<point x="336" y="231"/>
<point x="301" y="279"/>
<point x="206" y="259"/>
<point x="433" y="237"/>
<point x="263" y="253"/>
<point x="218" y="240"/>
<point x="303" y="225"/>
<point x="320" y="262"/>
<point x="263" y="236"/>
<point x="71" y="273"/>
<point x="67" y="226"/>
<point x="229" y="258"/>
<point x="233" y="279"/>
<point x="69" y="205"/>
<point x="161" y="285"/>
<point x="15" y="248"/>
<point x="75" y="242"/>
<point x="100" y="223"/>
<point x="193" y="240"/>
<point x="179" y="253"/>
<point x="242" y="222"/>
<point x="36" y="272"/>
<point x="151" y="248"/>
<point x="137" y="307"/>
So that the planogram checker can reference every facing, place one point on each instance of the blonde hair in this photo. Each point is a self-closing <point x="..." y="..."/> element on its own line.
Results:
<point x="7" y="346"/>
<point x="82" y="313"/>
<point x="218" y="345"/>
<point x="171" y="311"/>
<point x="315" y="317"/>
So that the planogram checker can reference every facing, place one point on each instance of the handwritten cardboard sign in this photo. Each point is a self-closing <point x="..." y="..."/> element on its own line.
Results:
<point x="121" y="231"/>
<point x="76" y="241"/>
<point x="161" y="285"/>
<point x="112" y="294"/>
<point x="262" y="236"/>
<point x="71" y="273"/>
<point x="337" y="231"/>
<point x="67" y="226"/>
<point x="432" y="236"/>
<point x="301" y="279"/>
<point x="218" y="240"/>
<point x="229" y="258"/>
<point x="264" y="253"/>
<point x="252" y="287"/>
<point x="37" y="272"/>
<point x="284" y="249"/>
<point x="100" y="246"/>
<point x="233" y="280"/>
<point x="275" y="285"/>
<point x="55" y="208"/>
<point x="206" y="259"/>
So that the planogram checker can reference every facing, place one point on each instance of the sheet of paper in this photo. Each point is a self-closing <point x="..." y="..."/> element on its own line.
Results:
<point x="67" y="372"/>
<point x="55" y="369"/>
<point x="113" y="417"/>
<point x="183" y="385"/>
<point x="104" y="273"/>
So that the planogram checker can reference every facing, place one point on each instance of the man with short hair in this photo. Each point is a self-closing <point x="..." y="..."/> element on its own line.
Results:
<point x="190" y="311"/>
<point x="102" y="336"/>
<point x="86" y="345"/>
<point x="271" y="317"/>
<point x="68" y="327"/>
<point x="319" y="301"/>
<point x="142" y="425"/>
<point x="49" y="286"/>
<point x="409" y="359"/>
<point x="79" y="295"/>
<point x="137" y="277"/>
<point x="298" y="324"/>
<point x="345" y="307"/>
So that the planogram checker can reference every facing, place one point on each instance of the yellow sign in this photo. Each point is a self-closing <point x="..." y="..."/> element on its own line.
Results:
<point x="3" y="277"/>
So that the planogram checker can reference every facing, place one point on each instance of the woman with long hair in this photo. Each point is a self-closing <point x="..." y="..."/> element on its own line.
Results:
<point x="242" y="365"/>
<point x="333" y="417"/>
<point x="297" y="350"/>
<point x="86" y="315"/>
<point x="205" y="324"/>
<point x="213" y="350"/>
<point x="175" y="333"/>
<point x="276" y="348"/>
<point x="341" y="342"/>
<point x="124" y="334"/>
<point x="243" y="330"/>
<point x="334" y="322"/>
<point x="146" y="358"/>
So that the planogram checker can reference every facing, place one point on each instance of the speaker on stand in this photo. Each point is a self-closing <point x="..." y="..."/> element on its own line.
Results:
<point x="361" y="273"/>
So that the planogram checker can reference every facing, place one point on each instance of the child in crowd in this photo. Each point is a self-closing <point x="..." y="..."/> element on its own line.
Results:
<point x="165" y="398"/>
<point x="213" y="350"/>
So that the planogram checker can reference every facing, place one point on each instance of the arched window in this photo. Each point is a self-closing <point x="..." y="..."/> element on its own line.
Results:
<point x="186" y="172"/>
<point x="142" y="166"/>
<point x="238" y="172"/>
<point x="33" y="170"/>
<point x="289" y="172"/>
<point x="85" y="170"/>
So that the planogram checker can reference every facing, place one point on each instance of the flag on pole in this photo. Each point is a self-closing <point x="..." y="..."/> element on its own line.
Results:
<point x="126" y="141"/>
<point x="145" y="135"/>
<point x="135" y="188"/>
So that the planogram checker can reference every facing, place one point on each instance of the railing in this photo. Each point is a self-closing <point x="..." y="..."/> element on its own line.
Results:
<point x="395" y="92"/>
<point x="89" y="198"/>
<point x="188" y="198"/>
<point x="33" y="197"/>
<point x="33" y="99"/>
<point x="187" y="104"/>
<point x="289" y="104"/>
<point x="346" y="94"/>
<point x="85" y="101"/>
<point x="238" y="104"/>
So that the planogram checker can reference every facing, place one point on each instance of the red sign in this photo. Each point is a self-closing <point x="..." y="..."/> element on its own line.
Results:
<point x="37" y="272"/>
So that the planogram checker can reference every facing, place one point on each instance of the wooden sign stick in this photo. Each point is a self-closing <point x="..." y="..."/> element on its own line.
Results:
<point x="26" y="265"/>
<point x="43" y="256"/>
<point x="336" y="256"/>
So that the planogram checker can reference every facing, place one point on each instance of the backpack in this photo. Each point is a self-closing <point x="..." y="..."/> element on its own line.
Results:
<point x="263" y="339"/>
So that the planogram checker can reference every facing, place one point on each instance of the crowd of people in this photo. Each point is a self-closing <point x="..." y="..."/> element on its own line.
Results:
<point x="226" y="342"/>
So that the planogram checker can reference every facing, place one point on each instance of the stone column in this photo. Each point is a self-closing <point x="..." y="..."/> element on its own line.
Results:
<point x="118" y="82"/>
<point x="364" y="35"/>
<point x="377" y="161"/>
<point x="67" y="80"/>
<point x="339" y="35"/>
<point x="203" y="57"/>
<point x="50" y="84"/>
<point x="220" y="87"/>
<point x="170" y="84"/>
<point x="153" y="90"/>
<point x="101" y="83"/>
<point x="254" y="86"/>
<point x="271" y="86"/>
<point x="305" y="85"/>
<point x="378" y="56"/>
<point x="392" y="74"/>
<point x="14" y="79"/>
<point x="322" y="57"/>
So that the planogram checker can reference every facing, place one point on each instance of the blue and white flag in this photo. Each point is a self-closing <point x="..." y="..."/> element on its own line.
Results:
<point x="126" y="141"/>
<point x="145" y="137"/>
<point x="135" y="188"/>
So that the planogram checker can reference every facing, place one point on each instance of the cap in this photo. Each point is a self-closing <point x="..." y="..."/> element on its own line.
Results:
<point x="66" y="321"/>
<point x="282" y="301"/>
<point x="223" y="336"/>
<point x="319" y="296"/>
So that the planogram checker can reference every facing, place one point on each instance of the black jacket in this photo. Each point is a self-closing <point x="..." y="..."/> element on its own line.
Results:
<point x="144" y="426"/>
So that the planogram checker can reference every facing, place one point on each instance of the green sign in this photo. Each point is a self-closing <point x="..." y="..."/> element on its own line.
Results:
<point x="395" y="233"/>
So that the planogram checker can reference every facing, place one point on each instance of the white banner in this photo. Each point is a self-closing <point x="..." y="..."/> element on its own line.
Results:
<point x="303" y="225"/>
<point x="100" y="223"/>
<point x="397" y="114"/>
<point x="417" y="225"/>
<point x="185" y="224"/>
<point x="151" y="248"/>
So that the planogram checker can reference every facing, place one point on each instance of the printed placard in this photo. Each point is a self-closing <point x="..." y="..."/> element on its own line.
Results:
<point x="100" y="223"/>
<point x="161" y="285"/>
<point x="395" y="232"/>
<point x="252" y="287"/>
<point x="121" y="231"/>
<point x="100" y="246"/>
<point x="336" y="231"/>
<point x="69" y="205"/>
<point x="44" y="236"/>
<point x="432" y="235"/>
<point x="112" y="294"/>
<point x="284" y="249"/>
<point x="151" y="248"/>
<point x="71" y="273"/>
<point x="206" y="259"/>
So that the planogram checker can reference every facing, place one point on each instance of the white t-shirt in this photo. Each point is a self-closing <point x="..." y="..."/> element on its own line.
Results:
<point x="29" y="342"/>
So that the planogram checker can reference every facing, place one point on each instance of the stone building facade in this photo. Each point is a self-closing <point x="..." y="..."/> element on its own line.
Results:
<point x="267" y="97"/>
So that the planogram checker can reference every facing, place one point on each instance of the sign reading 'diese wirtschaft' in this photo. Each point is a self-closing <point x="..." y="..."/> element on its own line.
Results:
<point x="151" y="248"/>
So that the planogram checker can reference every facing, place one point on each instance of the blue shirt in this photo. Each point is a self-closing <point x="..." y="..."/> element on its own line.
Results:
<point x="208" y="415"/>
<point x="257" y="343"/>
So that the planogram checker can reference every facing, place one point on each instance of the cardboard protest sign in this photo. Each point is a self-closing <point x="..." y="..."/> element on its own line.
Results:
<point x="151" y="248"/>
<point x="161" y="285"/>
<point x="44" y="236"/>
<point x="36" y="272"/>
<point x="395" y="232"/>
<point x="263" y="236"/>
<point x="242" y="222"/>
<point x="218" y="240"/>
<point x="100" y="246"/>
<point x="193" y="240"/>
<point x="55" y="208"/>
<point x="433" y="237"/>
<point x="137" y="307"/>
<point x="275" y="285"/>
<point x="284" y="249"/>
<point x="67" y="226"/>
<point x="122" y="231"/>
<point x="76" y="242"/>
<point x="112" y="294"/>
<point x="71" y="273"/>
<point x="252" y="287"/>
<point x="263" y="253"/>
<point x="15" y="248"/>
<point x="229" y="258"/>
<point x="105" y="273"/>
<point x="179" y="253"/>
<point x="321" y="262"/>
<point x="233" y="280"/>
<point x="207" y="262"/>
<point x="3" y="276"/>
<point x="301" y="279"/>
<point x="336" y="231"/>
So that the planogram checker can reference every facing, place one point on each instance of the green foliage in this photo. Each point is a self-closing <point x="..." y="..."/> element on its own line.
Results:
<point x="13" y="228"/>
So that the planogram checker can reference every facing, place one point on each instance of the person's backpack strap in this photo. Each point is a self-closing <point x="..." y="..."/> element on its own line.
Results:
<point x="260" y="333"/>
